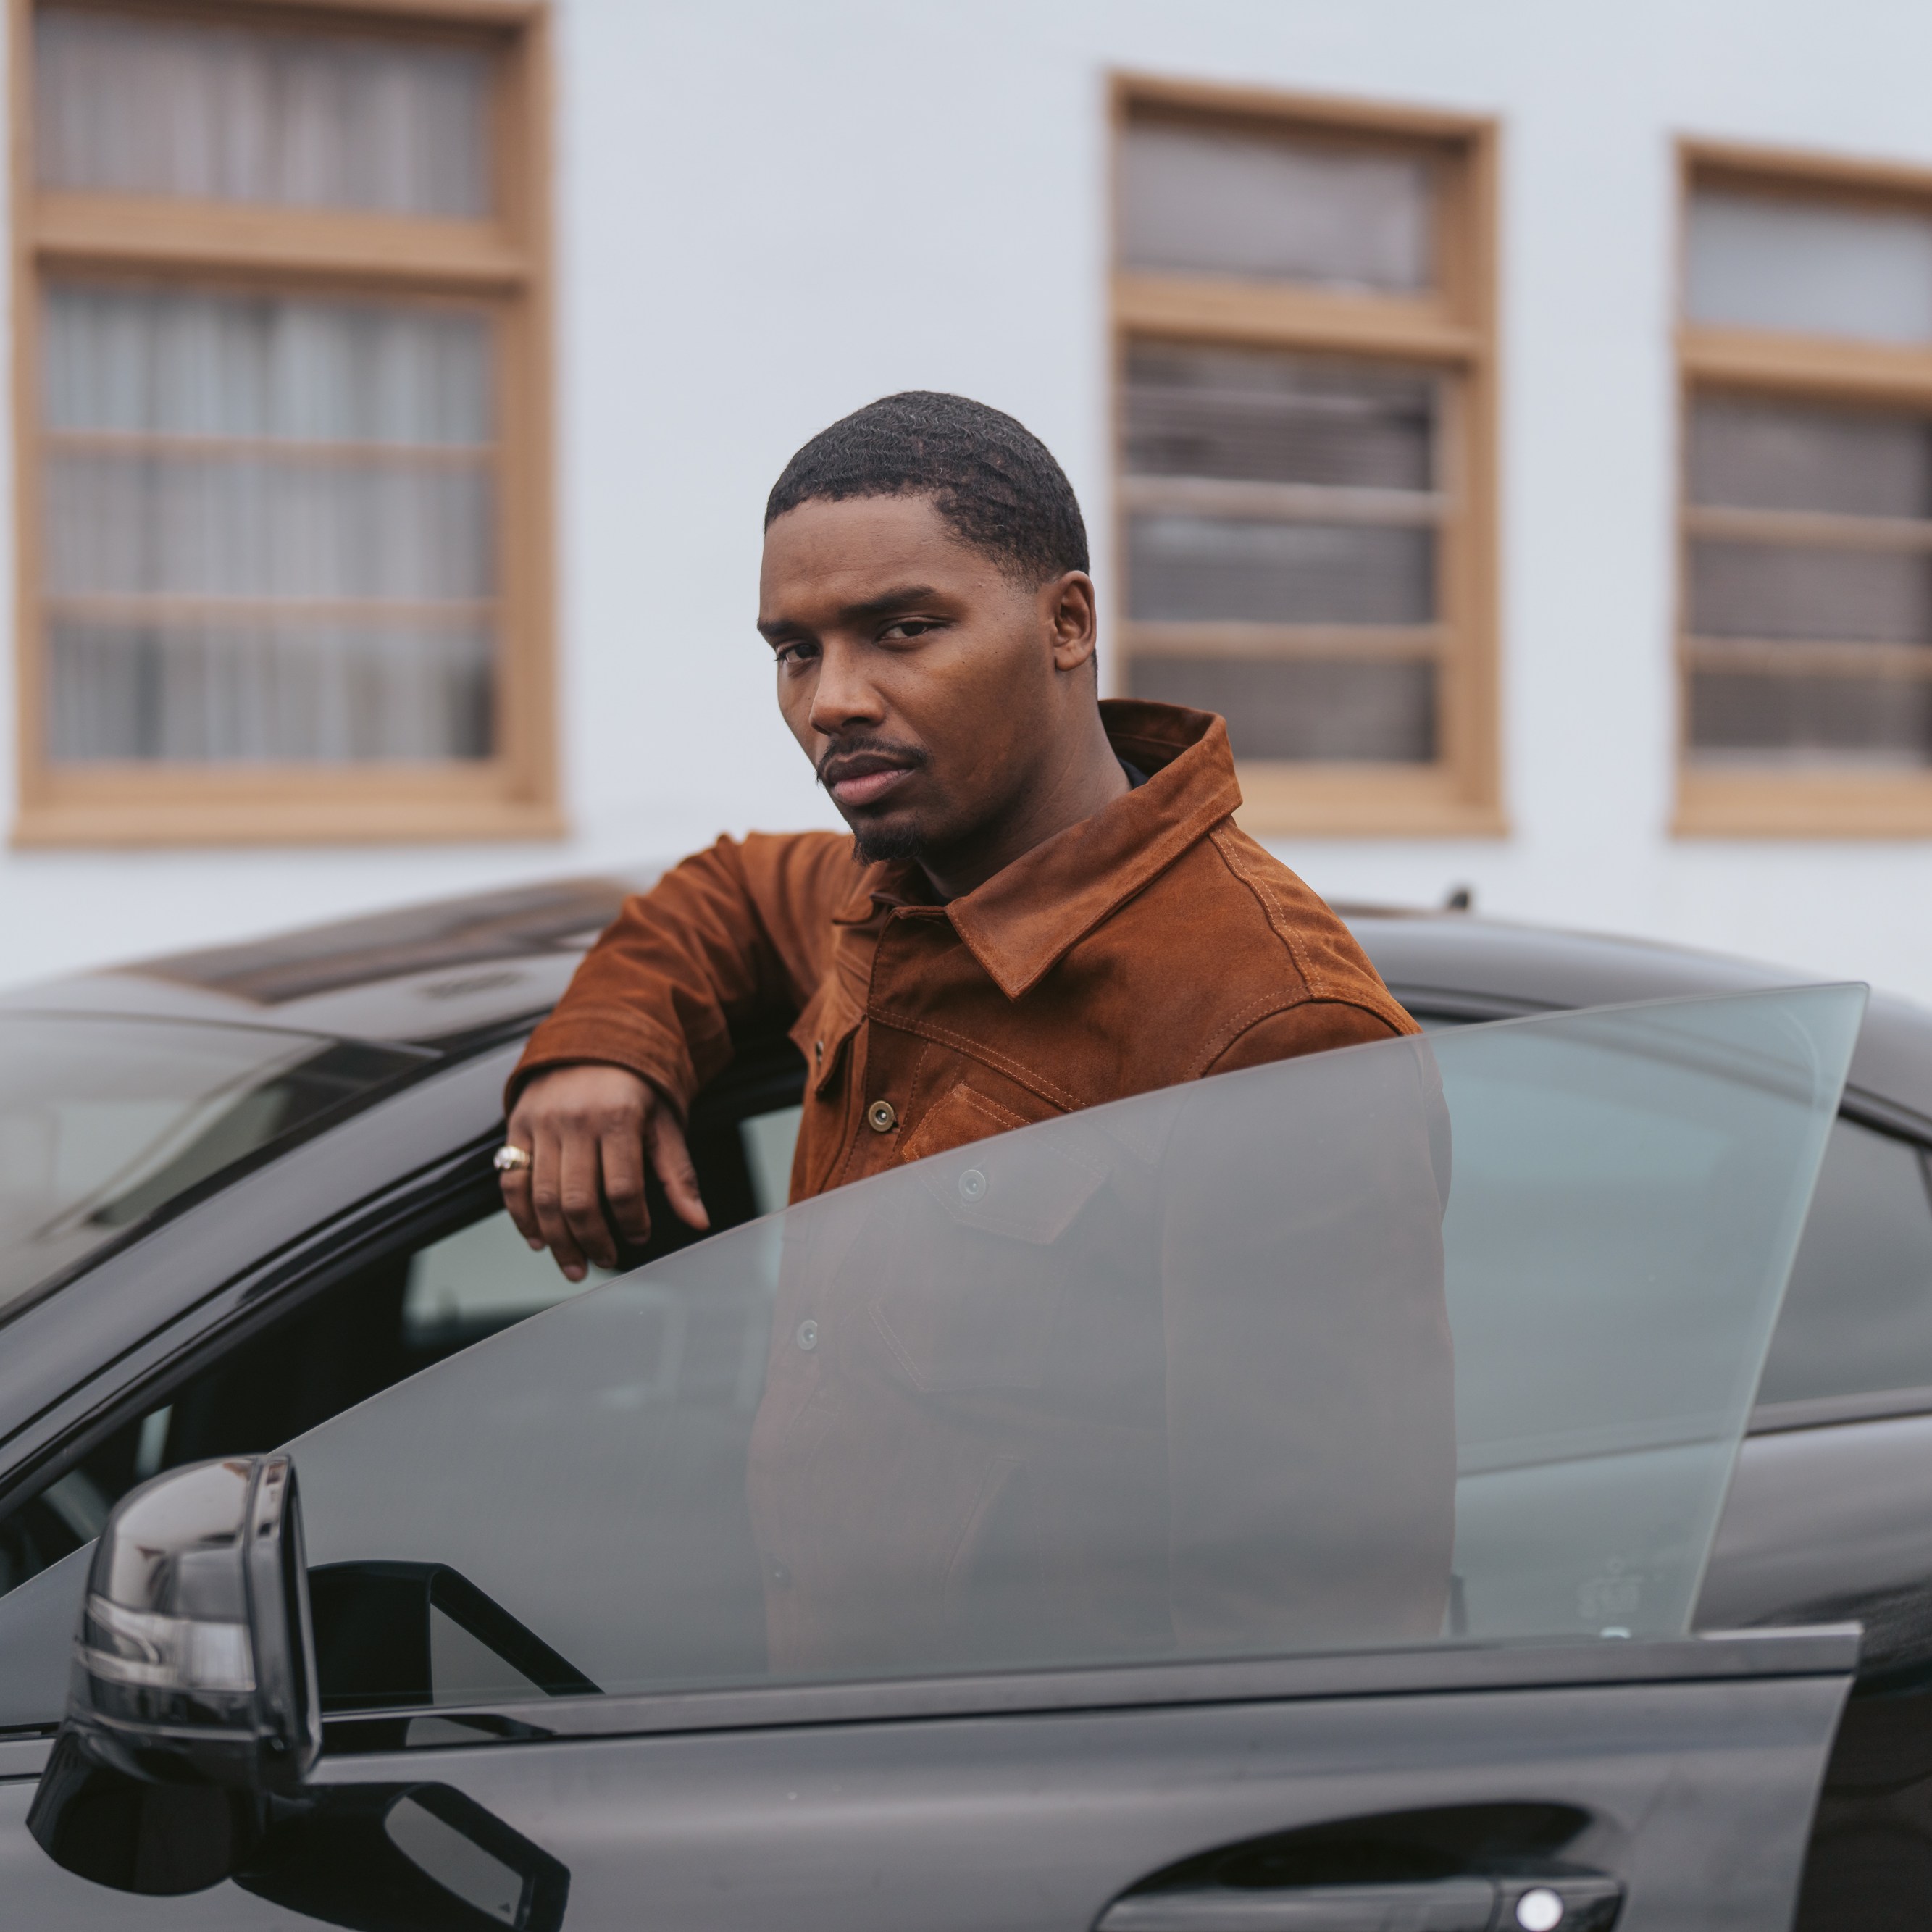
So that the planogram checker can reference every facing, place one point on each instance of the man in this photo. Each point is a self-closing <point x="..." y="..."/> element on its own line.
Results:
<point x="1051" y="905"/>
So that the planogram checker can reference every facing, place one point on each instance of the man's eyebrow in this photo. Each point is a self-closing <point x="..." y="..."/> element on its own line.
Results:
<point x="898" y="598"/>
<point x="886" y="602"/>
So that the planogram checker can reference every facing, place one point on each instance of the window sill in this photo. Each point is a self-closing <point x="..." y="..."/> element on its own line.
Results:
<point x="1803" y="804"/>
<point x="249" y="816"/>
<point x="1362" y="802"/>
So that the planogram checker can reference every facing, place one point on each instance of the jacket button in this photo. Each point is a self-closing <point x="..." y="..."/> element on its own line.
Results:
<point x="881" y="1116"/>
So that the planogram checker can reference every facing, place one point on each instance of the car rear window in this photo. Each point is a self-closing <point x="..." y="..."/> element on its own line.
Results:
<point x="107" y="1122"/>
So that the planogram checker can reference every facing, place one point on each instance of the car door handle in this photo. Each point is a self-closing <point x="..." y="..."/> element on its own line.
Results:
<point x="1573" y="1902"/>
<point x="1441" y="1905"/>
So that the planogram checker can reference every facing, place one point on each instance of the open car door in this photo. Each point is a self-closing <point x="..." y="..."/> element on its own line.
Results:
<point x="1278" y="1502"/>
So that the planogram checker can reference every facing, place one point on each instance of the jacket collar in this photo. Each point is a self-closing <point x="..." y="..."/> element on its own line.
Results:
<point x="1024" y="920"/>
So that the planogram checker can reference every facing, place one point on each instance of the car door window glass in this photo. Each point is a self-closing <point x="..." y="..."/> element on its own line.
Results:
<point x="1858" y="1317"/>
<point x="1208" y="1371"/>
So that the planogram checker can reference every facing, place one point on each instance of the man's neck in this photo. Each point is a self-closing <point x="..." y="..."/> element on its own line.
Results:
<point x="1087" y="780"/>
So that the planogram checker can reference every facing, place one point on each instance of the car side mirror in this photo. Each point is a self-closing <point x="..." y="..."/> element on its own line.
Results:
<point x="192" y="1720"/>
<point x="192" y="1699"/>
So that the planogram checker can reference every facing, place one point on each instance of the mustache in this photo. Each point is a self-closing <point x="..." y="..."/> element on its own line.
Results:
<point x="849" y="756"/>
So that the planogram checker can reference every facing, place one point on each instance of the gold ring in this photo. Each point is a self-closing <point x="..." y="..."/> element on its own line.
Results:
<point x="508" y="1159"/>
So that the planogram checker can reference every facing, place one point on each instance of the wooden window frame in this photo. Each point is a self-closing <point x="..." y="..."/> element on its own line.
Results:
<point x="1775" y="803"/>
<point x="1451" y="330"/>
<point x="503" y="260"/>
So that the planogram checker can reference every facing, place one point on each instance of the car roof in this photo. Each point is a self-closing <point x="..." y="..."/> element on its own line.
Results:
<point x="451" y="972"/>
<point x="442" y="973"/>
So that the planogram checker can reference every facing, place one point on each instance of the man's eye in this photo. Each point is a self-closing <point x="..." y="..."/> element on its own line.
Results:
<point x="911" y="627"/>
<point x="790" y="656"/>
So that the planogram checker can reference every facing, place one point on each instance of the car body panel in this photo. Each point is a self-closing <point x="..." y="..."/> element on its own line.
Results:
<point x="1694" y="1776"/>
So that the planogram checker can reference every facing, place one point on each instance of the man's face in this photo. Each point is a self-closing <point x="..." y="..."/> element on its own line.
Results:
<point x="926" y="686"/>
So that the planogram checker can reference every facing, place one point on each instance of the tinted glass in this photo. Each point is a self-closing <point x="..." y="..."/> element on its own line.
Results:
<point x="1206" y="1371"/>
<point x="104" y="1122"/>
<point x="1810" y="267"/>
<point x="1858" y="1319"/>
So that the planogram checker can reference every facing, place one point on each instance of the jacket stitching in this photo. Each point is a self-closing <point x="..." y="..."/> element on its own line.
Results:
<point x="1296" y="1006"/>
<point x="1272" y="909"/>
<point x="1003" y="1119"/>
<point x="1037" y="1083"/>
<point x="1321" y="986"/>
<point x="1236" y="1023"/>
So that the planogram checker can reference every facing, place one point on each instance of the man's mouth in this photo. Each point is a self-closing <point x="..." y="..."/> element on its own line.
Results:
<point x="864" y="778"/>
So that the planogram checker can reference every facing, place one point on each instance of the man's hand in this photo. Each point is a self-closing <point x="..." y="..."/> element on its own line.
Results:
<point x="586" y="1130"/>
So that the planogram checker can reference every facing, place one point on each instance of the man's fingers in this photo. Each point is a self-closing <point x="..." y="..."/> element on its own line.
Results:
<point x="623" y="1150"/>
<point x="515" y="1181"/>
<point x="546" y="1203"/>
<point x="672" y="1160"/>
<point x="580" y="1189"/>
<point x="516" y="1185"/>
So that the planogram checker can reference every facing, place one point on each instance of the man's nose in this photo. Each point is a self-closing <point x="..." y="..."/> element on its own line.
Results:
<point x="842" y="696"/>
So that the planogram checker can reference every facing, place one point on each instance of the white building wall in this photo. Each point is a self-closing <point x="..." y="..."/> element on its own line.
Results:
<point x="771" y="211"/>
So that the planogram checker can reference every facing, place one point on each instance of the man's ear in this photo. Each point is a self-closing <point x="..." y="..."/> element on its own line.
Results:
<point x="1072" y="619"/>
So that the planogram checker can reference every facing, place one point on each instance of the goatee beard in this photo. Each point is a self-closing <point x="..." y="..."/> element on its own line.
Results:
<point x="876" y="844"/>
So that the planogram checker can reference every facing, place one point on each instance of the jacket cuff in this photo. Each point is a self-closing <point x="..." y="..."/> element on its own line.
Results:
<point x="589" y="1037"/>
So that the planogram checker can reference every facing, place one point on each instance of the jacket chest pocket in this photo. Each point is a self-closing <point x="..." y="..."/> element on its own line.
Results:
<point x="983" y="1317"/>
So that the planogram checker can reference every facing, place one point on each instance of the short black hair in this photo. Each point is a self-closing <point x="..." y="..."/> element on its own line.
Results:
<point x="989" y="476"/>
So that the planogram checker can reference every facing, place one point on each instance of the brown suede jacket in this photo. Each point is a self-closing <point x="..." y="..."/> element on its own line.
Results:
<point x="1151" y="944"/>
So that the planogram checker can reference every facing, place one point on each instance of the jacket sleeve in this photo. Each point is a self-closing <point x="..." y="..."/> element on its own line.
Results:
<point x="731" y="932"/>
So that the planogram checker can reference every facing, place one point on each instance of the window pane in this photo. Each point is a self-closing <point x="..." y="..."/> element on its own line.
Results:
<point x="1858" y="1317"/>
<point x="286" y="691"/>
<point x="1302" y="708"/>
<point x="267" y="528"/>
<point x="1753" y="455"/>
<point x="1807" y="591"/>
<point x="1739" y="718"/>
<point x="1210" y="1371"/>
<point x="151" y="362"/>
<point x="1253" y="416"/>
<point x="1228" y="201"/>
<point x="1220" y="569"/>
<point x="1813" y="268"/>
<point x="124" y="524"/>
<point x="137" y="104"/>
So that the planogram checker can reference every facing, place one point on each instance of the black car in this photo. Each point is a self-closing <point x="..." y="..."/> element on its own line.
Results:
<point x="562" y="1677"/>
